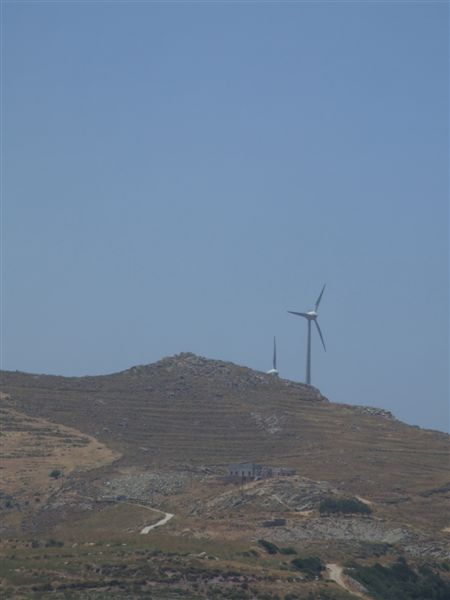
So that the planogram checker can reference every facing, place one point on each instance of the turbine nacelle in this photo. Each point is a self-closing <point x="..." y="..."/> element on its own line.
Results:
<point x="310" y="315"/>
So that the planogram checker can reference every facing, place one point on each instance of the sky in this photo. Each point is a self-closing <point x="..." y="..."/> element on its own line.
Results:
<point x="178" y="175"/>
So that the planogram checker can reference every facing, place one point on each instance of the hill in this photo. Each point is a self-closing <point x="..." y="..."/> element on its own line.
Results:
<point x="160" y="437"/>
<point x="188" y="410"/>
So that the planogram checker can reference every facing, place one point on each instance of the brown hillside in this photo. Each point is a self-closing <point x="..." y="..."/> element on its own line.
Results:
<point x="189" y="410"/>
<point x="31" y="448"/>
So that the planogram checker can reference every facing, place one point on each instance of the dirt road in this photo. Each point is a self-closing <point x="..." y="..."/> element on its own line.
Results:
<point x="163" y="521"/>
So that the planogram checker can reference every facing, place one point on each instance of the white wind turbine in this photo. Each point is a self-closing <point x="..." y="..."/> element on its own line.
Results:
<point x="273" y="370"/>
<point x="311" y="316"/>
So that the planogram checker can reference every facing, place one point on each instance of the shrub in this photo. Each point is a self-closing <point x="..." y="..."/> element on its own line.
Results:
<point x="288" y="550"/>
<point x="310" y="565"/>
<point x="269" y="547"/>
<point x="401" y="582"/>
<point x="238" y="594"/>
<point x="55" y="474"/>
<point x="54" y="544"/>
<point x="332" y="505"/>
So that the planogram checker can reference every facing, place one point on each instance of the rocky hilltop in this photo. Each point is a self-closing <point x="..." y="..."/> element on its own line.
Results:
<point x="222" y="375"/>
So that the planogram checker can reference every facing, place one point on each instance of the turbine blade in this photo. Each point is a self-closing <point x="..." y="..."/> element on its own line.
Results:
<point x="275" y="353"/>
<point x="320" y="333"/>
<point x="319" y="298"/>
<point x="299" y="314"/>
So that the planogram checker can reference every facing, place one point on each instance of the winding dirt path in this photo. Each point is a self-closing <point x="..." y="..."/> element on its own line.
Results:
<point x="163" y="521"/>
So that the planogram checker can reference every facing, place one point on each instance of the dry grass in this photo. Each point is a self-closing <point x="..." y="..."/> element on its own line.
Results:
<point x="32" y="447"/>
<point x="121" y="521"/>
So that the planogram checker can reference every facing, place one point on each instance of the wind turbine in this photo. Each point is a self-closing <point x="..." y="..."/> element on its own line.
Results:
<point x="311" y="316"/>
<point x="273" y="370"/>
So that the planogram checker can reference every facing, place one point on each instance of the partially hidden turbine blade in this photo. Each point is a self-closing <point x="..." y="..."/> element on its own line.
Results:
<point x="320" y="333"/>
<point x="319" y="298"/>
<point x="274" y="354"/>
<point x="299" y="314"/>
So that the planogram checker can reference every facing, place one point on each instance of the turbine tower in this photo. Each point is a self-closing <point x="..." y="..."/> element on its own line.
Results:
<point x="273" y="370"/>
<point x="311" y="316"/>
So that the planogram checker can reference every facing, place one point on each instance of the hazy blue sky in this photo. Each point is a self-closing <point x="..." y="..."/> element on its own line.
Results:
<point x="176" y="176"/>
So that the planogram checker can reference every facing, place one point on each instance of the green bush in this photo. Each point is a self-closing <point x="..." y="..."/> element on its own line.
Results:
<point x="268" y="546"/>
<point x="238" y="594"/>
<point x="55" y="474"/>
<point x="288" y="550"/>
<point x="332" y="505"/>
<point x="54" y="544"/>
<point x="310" y="565"/>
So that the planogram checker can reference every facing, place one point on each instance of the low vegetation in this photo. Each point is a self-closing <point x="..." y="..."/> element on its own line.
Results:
<point x="269" y="547"/>
<point x="400" y="582"/>
<point x="288" y="550"/>
<point x="272" y="548"/>
<point x="311" y="566"/>
<point x="346" y="506"/>
<point x="136" y="568"/>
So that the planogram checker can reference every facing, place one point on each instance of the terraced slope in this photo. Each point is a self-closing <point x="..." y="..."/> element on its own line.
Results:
<point x="31" y="448"/>
<point x="181" y="408"/>
<point x="189" y="410"/>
